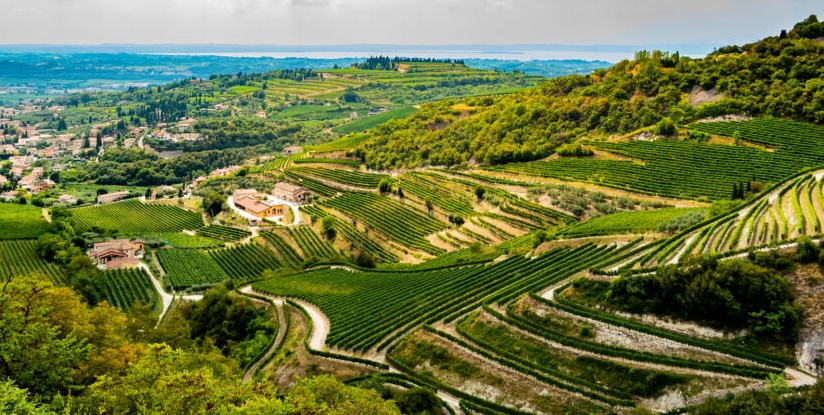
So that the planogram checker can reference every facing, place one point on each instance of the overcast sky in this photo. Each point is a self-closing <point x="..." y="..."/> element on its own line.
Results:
<point x="431" y="22"/>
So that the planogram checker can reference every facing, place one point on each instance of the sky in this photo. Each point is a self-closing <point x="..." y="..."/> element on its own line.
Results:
<point x="420" y="22"/>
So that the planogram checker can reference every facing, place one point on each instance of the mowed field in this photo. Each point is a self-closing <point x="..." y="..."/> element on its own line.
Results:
<point x="21" y="221"/>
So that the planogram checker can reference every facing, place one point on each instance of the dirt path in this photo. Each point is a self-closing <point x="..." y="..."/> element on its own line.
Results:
<point x="320" y="323"/>
<point x="165" y="297"/>
<point x="797" y="378"/>
<point x="687" y="243"/>
<point x="281" y="317"/>
<point x="46" y="215"/>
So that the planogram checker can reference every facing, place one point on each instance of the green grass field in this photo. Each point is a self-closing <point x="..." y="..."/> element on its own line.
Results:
<point x="21" y="221"/>
<point x="365" y="123"/>
<point x="627" y="222"/>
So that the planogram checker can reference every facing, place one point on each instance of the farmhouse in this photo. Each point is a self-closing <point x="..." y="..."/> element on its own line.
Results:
<point x="3" y="180"/>
<point x="253" y="205"/>
<point x="288" y="151"/>
<point x="8" y="196"/>
<point x="41" y="185"/>
<point x="117" y="253"/>
<point x="238" y="193"/>
<point x="290" y="193"/>
<point x="198" y="181"/>
<point x="112" y="197"/>
<point x="67" y="200"/>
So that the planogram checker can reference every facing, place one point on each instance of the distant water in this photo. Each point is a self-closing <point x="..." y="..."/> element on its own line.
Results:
<point x="526" y="55"/>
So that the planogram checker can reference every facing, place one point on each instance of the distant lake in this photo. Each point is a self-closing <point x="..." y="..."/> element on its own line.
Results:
<point x="527" y="55"/>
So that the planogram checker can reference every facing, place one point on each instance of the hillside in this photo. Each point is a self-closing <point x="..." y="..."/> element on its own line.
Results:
<point x="591" y="245"/>
<point x="777" y="77"/>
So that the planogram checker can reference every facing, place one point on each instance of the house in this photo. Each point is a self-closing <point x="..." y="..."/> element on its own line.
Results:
<point x="3" y="180"/>
<point x="290" y="193"/>
<point x="197" y="182"/>
<point x="59" y="167"/>
<point x="112" y="197"/>
<point x="238" y="193"/>
<point x="119" y="253"/>
<point x="67" y="200"/>
<point x="107" y="141"/>
<point x="122" y="263"/>
<point x="41" y="185"/>
<point x="256" y="207"/>
<point x="288" y="151"/>
<point x="9" y="196"/>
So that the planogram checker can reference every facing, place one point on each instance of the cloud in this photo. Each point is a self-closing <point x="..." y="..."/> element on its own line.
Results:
<point x="398" y="21"/>
<point x="310" y="2"/>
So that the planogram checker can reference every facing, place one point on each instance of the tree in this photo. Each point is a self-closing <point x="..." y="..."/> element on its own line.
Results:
<point x="327" y="227"/>
<point x="384" y="186"/>
<point x="428" y="203"/>
<point x="148" y="193"/>
<point x="364" y="260"/>
<point x="666" y="126"/>
<point x="14" y="400"/>
<point x="479" y="192"/>
<point x="540" y="237"/>
<point x="36" y="352"/>
<point x="213" y="203"/>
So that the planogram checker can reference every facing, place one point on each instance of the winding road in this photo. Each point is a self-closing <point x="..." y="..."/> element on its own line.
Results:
<point x="273" y="348"/>
<point x="320" y="323"/>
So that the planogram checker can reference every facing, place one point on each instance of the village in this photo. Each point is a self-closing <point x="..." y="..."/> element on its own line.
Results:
<point x="31" y="157"/>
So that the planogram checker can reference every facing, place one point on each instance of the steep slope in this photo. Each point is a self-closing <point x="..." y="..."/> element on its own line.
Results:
<point x="778" y="76"/>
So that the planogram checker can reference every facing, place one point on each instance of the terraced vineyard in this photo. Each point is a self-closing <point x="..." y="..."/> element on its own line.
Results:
<point x="314" y="185"/>
<point x="358" y="240"/>
<point x="132" y="217"/>
<point x="224" y="233"/>
<point x="340" y="161"/>
<point x="345" y="177"/>
<point x="19" y="258"/>
<point x="290" y="257"/>
<point x="429" y="187"/>
<point x="124" y="287"/>
<point x="311" y="243"/>
<point x="690" y="169"/>
<point x="189" y="267"/>
<point x="245" y="262"/>
<point x="401" y="223"/>
<point x="791" y="210"/>
<point x="387" y="301"/>
<point x="341" y="144"/>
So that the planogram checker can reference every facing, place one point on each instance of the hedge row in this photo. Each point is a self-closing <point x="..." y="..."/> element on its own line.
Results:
<point x="583" y="311"/>
<point x="619" y="352"/>
<point x="526" y="368"/>
<point x="436" y="384"/>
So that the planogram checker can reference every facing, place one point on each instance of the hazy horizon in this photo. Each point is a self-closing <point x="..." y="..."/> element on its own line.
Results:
<point x="424" y="22"/>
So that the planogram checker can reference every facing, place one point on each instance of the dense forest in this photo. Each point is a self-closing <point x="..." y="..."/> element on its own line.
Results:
<point x="778" y="76"/>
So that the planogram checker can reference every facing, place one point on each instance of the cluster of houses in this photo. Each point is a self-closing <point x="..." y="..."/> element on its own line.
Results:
<point x="261" y="206"/>
<point x="117" y="254"/>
